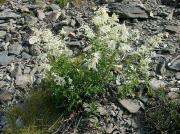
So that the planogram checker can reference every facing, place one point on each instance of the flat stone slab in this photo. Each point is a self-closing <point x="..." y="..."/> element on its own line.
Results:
<point x="173" y="28"/>
<point x="8" y="14"/>
<point x="128" y="10"/>
<point x="175" y="64"/>
<point x="5" y="59"/>
<point x="131" y="105"/>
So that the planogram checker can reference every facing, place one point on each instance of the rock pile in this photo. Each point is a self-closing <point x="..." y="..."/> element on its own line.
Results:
<point x="20" y="58"/>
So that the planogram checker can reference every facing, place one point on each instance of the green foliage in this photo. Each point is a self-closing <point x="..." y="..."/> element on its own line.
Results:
<point x="81" y="83"/>
<point x="2" y="1"/>
<point x="91" y="109"/>
<point x="163" y="114"/>
<point x="133" y="74"/>
<point x="62" y="3"/>
<point x="29" y="130"/>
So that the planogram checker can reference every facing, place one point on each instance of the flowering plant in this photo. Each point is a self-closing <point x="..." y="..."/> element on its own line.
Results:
<point x="74" y="80"/>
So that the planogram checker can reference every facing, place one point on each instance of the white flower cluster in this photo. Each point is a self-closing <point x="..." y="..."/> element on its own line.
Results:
<point x="150" y="44"/>
<point x="59" y="80"/>
<point x="102" y="18"/>
<point x="112" y="33"/>
<point x="50" y="44"/>
<point x="92" y="63"/>
<point x="62" y="81"/>
<point x="54" y="45"/>
<point x="144" y="68"/>
<point x="146" y="49"/>
<point x="88" y="31"/>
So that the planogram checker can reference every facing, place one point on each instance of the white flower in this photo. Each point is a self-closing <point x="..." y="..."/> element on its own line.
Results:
<point x="46" y="35"/>
<point x="104" y="29"/>
<point x="144" y="65"/>
<point x="52" y="44"/>
<point x="88" y="31"/>
<point x="101" y="17"/>
<point x="155" y="40"/>
<point x="70" y="80"/>
<point x="125" y="47"/>
<point x="46" y="66"/>
<point x="112" y="44"/>
<point x="92" y="63"/>
<point x="114" y="18"/>
<point x="135" y="35"/>
<point x="63" y="32"/>
<point x="118" y="80"/>
<point x="124" y="33"/>
<point x="34" y="39"/>
<point x="59" y="80"/>
<point x="133" y="68"/>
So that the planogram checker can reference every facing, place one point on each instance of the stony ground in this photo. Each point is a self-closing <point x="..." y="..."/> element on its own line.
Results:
<point x="20" y="60"/>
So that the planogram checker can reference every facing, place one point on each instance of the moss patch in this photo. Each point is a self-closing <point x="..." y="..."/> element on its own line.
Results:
<point x="2" y="1"/>
<point x="163" y="115"/>
<point x="36" y="115"/>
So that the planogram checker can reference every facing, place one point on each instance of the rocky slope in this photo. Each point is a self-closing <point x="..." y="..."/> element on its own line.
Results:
<point x="20" y="60"/>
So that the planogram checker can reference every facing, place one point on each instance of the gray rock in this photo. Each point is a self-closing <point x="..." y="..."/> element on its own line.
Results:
<point x="15" y="49"/>
<point x="30" y="20"/>
<point x="24" y="9"/>
<point x="8" y="14"/>
<point x="4" y="59"/>
<point x="129" y="121"/>
<point x="54" y="15"/>
<point x="4" y="26"/>
<point x="74" y="43"/>
<point x="108" y="1"/>
<point x="15" y="71"/>
<point x="25" y="56"/>
<point x="8" y="37"/>
<point x="35" y="50"/>
<point x="54" y="7"/>
<point x="128" y="10"/>
<point x="40" y="14"/>
<point x="68" y="29"/>
<point x="132" y="106"/>
<point x="157" y="84"/>
<point x="2" y="34"/>
<point x="101" y="110"/>
<point x="73" y="23"/>
<point x="23" y="81"/>
<point x="177" y="75"/>
<point x="173" y="28"/>
<point x="2" y="21"/>
<point x="173" y="95"/>
<point x="175" y="64"/>
<point x="110" y="128"/>
<point x="3" y="84"/>
<point x="3" y="46"/>
<point x="174" y="89"/>
<point x="120" y="113"/>
<point x="5" y="96"/>
<point x="160" y="68"/>
<point x="27" y="70"/>
<point x="170" y="2"/>
<point x="65" y="22"/>
<point x="2" y="74"/>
